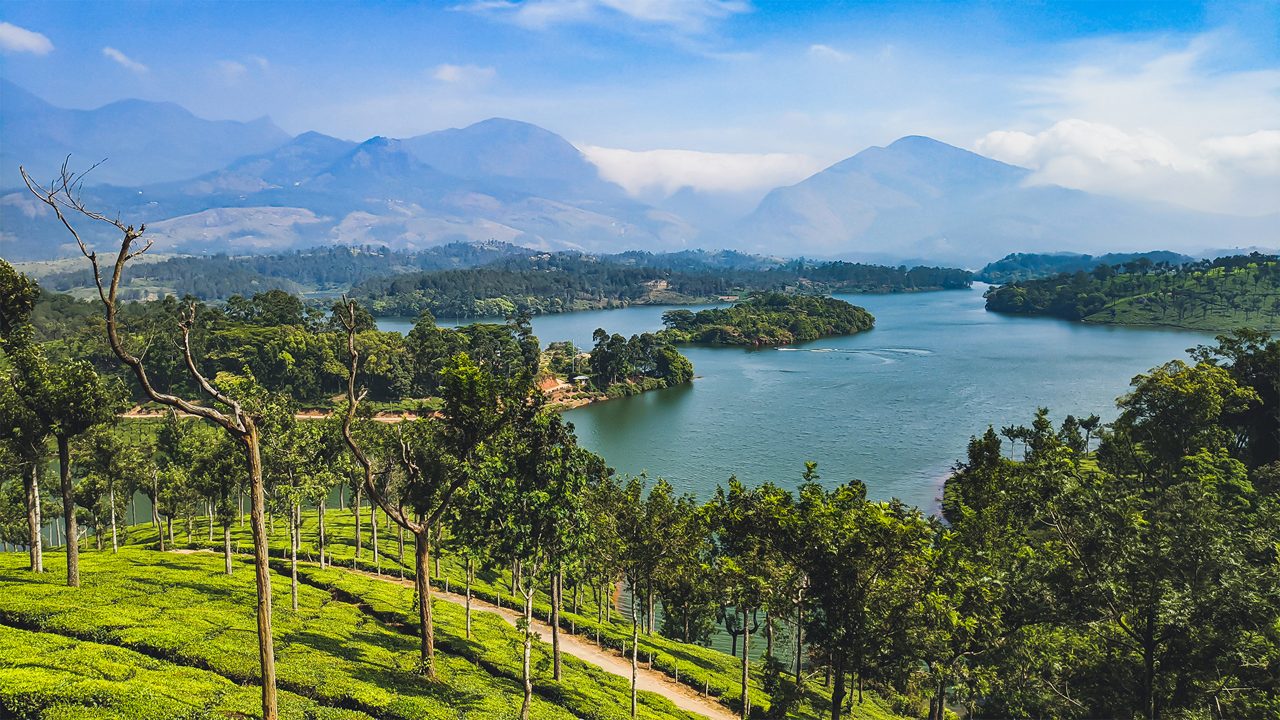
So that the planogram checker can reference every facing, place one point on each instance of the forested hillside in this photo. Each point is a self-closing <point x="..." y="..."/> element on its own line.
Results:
<point x="465" y="280"/>
<point x="1030" y="266"/>
<point x="1220" y="294"/>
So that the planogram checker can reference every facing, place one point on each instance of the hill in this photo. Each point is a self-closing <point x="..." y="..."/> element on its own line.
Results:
<point x="145" y="142"/>
<point x="1218" y="295"/>
<point x="920" y="198"/>
<point x="1029" y="266"/>
<point x="498" y="179"/>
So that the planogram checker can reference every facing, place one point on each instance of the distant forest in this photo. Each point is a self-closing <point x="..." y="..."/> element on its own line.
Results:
<point x="497" y="279"/>
<point x="564" y="282"/>
<point x="1220" y="294"/>
<point x="1031" y="266"/>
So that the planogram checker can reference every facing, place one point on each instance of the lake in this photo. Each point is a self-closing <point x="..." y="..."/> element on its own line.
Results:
<point x="893" y="407"/>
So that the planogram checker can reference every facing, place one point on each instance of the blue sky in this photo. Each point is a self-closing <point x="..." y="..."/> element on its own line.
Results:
<point x="1171" y="101"/>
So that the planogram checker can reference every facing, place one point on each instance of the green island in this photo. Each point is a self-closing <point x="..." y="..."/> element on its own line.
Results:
<point x="767" y="319"/>
<point x="1216" y="295"/>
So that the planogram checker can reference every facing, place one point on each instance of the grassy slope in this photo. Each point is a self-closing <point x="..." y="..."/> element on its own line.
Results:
<point x="1191" y="304"/>
<point x="697" y="666"/>
<point x="180" y="608"/>
<point x="51" y="677"/>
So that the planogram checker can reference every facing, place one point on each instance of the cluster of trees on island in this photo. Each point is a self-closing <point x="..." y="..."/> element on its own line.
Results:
<point x="766" y="319"/>
<point x="1137" y="578"/>
<point x="1217" y="294"/>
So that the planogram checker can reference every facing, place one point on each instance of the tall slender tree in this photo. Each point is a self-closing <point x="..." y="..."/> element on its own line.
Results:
<point x="437" y="457"/>
<point x="63" y="197"/>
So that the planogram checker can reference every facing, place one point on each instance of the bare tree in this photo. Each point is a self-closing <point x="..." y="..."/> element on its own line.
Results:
<point x="63" y="196"/>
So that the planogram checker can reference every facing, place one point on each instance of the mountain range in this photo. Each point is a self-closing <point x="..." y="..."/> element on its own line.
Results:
<point x="242" y="188"/>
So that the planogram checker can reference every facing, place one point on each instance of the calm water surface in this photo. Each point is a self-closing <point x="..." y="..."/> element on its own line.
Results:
<point x="894" y="407"/>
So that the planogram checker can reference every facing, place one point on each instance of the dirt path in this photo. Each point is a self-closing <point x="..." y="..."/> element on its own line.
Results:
<point x="681" y="695"/>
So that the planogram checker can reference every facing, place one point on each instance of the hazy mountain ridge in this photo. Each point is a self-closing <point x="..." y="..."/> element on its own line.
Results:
<point x="510" y="181"/>
<point x="922" y="198"/>
<point x="144" y="142"/>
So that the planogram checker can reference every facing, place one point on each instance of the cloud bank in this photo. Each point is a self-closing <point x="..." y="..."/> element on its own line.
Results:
<point x="14" y="39"/>
<point x="664" y="172"/>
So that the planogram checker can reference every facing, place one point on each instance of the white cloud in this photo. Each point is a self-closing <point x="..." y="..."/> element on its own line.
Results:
<point x="125" y="61"/>
<point x="231" y="71"/>
<point x="1153" y="122"/>
<point x="464" y="75"/>
<point x="14" y="39"/>
<point x="1256" y="153"/>
<point x="1233" y="173"/>
<point x="828" y="53"/>
<point x="642" y="172"/>
<point x="690" y="16"/>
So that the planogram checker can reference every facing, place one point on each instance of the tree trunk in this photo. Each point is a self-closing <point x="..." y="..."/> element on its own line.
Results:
<point x="648" y="612"/>
<point x="35" y="539"/>
<point x="209" y="507"/>
<point x="240" y="508"/>
<point x="226" y="546"/>
<point x="400" y="546"/>
<point x="837" y="695"/>
<point x="470" y="577"/>
<point x="168" y="523"/>
<point x="373" y="534"/>
<point x="355" y="509"/>
<point x="768" y="634"/>
<point x="557" y="579"/>
<point x="293" y="555"/>
<point x="799" y="642"/>
<point x="262" y="574"/>
<point x="320" y="511"/>
<point x="155" y="501"/>
<point x="115" y="544"/>
<point x="635" y="644"/>
<point x="746" y="666"/>
<point x="69" y="512"/>
<point x="527" y="671"/>
<point x="422" y="583"/>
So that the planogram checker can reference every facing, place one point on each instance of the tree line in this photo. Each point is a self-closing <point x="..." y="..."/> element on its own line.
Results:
<point x="1221" y="293"/>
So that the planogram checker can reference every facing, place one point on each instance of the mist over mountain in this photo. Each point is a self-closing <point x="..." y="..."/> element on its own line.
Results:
<point x="245" y="188"/>
<point x="922" y="198"/>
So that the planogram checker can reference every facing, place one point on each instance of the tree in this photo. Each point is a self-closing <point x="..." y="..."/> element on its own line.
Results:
<point x="67" y="398"/>
<point x="437" y="458"/>
<point x="118" y="469"/>
<point x="63" y="197"/>
<point x="537" y="481"/>
<point x="863" y="560"/>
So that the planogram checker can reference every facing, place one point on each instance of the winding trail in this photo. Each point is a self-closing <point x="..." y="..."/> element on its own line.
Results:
<point x="680" y="695"/>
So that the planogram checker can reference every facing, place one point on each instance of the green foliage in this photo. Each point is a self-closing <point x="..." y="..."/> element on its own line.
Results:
<point x="767" y="319"/>
<point x="44" y="676"/>
<point x="621" y="366"/>
<point x="1016" y="267"/>
<point x="1222" y="294"/>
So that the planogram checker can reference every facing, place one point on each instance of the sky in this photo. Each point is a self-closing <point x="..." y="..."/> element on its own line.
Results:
<point x="1165" y="101"/>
